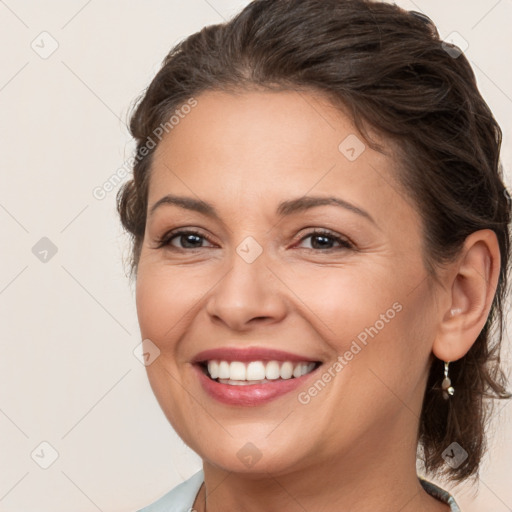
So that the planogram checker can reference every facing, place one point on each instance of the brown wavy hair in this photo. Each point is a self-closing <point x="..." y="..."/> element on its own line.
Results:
<point x="388" y="69"/>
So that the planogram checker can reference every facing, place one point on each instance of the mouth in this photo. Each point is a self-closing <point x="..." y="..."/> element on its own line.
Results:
<point x="252" y="376"/>
<point x="247" y="373"/>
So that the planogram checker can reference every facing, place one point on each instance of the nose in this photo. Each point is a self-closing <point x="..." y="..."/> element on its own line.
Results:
<point x="247" y="295"/>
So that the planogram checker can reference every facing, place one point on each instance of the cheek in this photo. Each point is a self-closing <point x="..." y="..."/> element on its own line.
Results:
<point x="165" y="298"/>
<point x="371" y="319"/>
<point x="396" y="358"/>
<point x="153" y="299"/>
<point x="159" y="320"/>
<point x="344" y="302"/>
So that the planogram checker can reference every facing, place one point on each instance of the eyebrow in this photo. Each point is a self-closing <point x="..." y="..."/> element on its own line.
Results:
<point x="284" y="209"/>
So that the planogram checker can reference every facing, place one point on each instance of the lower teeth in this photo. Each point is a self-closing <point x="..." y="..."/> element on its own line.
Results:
<point x="246" y="382"/>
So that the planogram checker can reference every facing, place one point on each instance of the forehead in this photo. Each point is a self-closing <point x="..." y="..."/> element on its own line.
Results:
<point x="263" y="147"/>
<point x="271" y="133"/>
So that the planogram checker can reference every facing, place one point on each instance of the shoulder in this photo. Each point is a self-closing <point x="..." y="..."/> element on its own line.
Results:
<point x="180" y="498"/>
<point x="440" y="494"/>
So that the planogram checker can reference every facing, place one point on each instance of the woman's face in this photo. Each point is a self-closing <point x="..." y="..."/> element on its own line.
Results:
<point x="255" y="277"/>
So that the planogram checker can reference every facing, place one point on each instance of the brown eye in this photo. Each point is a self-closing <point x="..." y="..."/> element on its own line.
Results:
<point x="325" y="239"/>
<point x="186" y="239"/>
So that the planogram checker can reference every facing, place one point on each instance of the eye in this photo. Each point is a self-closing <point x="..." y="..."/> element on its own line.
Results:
<point x="321" y="239"/>
<point x="190" y="239"/>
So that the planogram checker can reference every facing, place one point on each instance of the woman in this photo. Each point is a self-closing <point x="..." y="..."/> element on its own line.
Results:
<point x="320" y="244"/>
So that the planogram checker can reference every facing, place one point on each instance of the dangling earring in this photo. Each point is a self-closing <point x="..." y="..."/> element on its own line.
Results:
<point x="447" y="383"/>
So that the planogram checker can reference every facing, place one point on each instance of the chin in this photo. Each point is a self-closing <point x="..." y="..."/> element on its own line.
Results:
<point x="258" y="457"/>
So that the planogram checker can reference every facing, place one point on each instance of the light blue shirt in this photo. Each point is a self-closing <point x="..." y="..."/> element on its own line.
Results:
<point x="182" y="497"/>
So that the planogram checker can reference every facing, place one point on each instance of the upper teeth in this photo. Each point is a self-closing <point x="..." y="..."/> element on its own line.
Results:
<point x="257" y="370"/>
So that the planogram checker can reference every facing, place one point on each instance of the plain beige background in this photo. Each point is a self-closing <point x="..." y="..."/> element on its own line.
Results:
<point x="69" y="377"/>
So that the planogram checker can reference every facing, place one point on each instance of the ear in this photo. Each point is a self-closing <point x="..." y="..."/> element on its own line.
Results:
<point x="471" y="288"/>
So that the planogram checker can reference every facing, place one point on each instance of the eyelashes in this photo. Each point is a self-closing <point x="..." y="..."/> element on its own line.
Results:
<point x="165" y="241"/>
<point x="189" y="235"/>
<point x="324" y="234"/>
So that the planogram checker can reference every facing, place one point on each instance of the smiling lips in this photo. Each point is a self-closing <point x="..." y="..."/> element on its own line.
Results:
<point x="251" y="376"/>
